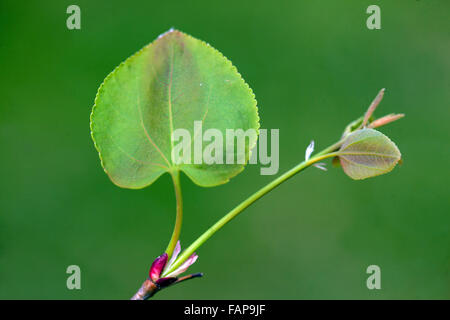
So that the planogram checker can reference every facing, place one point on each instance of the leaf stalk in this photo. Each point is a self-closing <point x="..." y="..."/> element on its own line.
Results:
<point x="179" y="215"/>
<point x="324" y="154"/>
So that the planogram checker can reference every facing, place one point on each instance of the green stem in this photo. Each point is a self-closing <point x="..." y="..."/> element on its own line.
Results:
<point x="179" y="217"/>
<point x="324" y="154"/>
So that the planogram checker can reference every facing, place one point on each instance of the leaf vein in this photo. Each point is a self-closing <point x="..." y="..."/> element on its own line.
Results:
<point x="146" y="131"/>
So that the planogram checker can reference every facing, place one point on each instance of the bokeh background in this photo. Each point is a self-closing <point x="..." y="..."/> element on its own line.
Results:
<point x="314" y="66"/>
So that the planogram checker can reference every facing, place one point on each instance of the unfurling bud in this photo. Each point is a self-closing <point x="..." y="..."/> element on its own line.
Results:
<point x="159" y="279"/>
<point x="385" y="120"/>
<point x="373" y="106"/>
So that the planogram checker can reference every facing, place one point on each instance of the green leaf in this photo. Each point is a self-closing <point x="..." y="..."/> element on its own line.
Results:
<point x="168" y="85"/>
<point x="368" y="153"/>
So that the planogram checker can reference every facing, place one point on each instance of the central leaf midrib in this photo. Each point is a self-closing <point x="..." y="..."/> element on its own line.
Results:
<point x="169" y="98"/>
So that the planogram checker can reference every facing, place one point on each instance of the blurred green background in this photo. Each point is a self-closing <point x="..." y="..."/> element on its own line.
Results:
<point x="314" y="66"/>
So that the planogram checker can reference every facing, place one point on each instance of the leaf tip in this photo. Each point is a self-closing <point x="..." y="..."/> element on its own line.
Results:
<point x="171" y="30"/>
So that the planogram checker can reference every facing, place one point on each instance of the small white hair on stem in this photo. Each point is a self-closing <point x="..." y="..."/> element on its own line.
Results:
<point x="309" y="151"/>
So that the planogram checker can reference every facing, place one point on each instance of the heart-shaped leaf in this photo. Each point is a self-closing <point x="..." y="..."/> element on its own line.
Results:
<point x="367" y="153"/>
<point x="166" y="86"/>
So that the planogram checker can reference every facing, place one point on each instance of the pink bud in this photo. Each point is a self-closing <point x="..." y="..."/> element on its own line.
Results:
<point x="158" y="266"/>
<point x="373" y="106"/>
<point x="385" y="120"/>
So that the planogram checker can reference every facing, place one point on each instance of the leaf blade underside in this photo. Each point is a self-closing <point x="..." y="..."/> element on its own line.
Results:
<point x="368" y="153"/>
